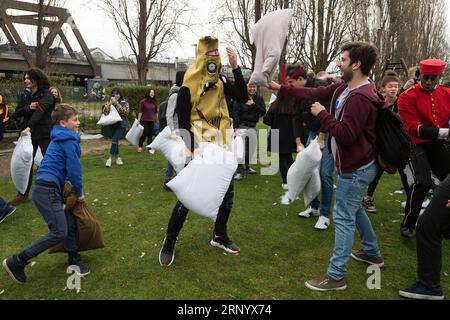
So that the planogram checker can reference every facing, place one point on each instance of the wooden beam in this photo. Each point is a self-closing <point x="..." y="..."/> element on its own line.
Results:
<point x="32" y="7"/>
<point x="7" y="33"/>
<point x="18" y="40"/>
<point x="67" y="44"/>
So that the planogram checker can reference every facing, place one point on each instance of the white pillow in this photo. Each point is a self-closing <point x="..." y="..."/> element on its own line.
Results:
<point x="135" y="133"/>
<point x="202" y="185"/>
<point x="302" y="169"/>
<point x="38" y="157"/>
<point x="112" y="117"/>
<point x="21" y="162"/>
<point x="238" y="148"/>
<point x="312" y="188"/>
<point x="269" y="35"/>
<point x="173" y="150"/>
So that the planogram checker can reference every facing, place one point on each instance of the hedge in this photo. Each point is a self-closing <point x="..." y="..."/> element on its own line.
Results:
<point x="134" y="94"/>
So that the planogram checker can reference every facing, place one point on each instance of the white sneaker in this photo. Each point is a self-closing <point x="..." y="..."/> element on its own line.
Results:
<point x="108" y="163"/>
<point x="284" y="186"/>
<point x="119" y="161"/>
<point x="322" y="224"/>
<point x="308" y="213"/>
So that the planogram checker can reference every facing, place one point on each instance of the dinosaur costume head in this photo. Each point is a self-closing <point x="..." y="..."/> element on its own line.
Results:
<point x="209" y="115"/>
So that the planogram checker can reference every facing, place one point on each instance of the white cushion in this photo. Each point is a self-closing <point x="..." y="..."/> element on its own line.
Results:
<point x="21" y="162"/>
<point x="312" y="188"/>
<point x="302" y="169"/>
<point x="202" y="185"/>
<point x="112" y="117"/>
<point x="174" y="150"/>
<point x="135" y="133"/>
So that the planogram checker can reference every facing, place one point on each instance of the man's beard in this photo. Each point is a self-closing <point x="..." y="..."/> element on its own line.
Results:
<point x="347" y="74"/>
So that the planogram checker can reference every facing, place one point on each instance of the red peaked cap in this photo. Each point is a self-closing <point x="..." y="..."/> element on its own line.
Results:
<point x="432" y="67"/>
<point x="297" y="72"/>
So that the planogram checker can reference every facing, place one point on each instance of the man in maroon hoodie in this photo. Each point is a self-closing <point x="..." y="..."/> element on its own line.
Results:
<point x="351" y="125"/>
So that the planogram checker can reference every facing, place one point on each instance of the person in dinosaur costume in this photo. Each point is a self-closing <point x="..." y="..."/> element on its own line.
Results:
<point x="203" y="112"/>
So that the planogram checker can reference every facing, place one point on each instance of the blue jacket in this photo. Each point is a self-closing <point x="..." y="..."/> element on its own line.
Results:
<point x="62" y="160"/>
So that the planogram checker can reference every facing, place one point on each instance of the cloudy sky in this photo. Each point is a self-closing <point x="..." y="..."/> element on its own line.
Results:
<point x="99" y="31"/>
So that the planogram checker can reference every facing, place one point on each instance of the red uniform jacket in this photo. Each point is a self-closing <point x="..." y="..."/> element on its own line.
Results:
<point x="418" y="107"/>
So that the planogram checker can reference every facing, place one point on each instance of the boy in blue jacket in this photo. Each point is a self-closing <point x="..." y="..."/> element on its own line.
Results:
<point x="61" y="162"/>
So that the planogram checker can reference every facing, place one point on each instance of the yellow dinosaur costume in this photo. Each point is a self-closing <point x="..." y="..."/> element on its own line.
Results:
<point x="210" y="119"/>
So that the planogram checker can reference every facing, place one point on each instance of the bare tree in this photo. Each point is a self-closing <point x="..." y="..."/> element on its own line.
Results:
<point x="411" y="31"/>
<point x="238" y="17"/>
<point x="147" y="26"/>
<point x="320" y="27"/>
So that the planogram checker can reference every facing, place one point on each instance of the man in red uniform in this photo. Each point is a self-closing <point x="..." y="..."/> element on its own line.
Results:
<point x="425" y="111"/>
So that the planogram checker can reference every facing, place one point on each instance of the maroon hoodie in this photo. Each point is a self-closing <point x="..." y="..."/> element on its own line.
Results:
<point x="354" y="131"/>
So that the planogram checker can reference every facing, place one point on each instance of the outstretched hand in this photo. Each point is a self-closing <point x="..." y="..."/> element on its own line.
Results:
<point x="274" y="86"/>
<point x="232" y="58"/>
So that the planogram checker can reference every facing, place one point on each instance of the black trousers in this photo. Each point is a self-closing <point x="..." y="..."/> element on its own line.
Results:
<point x="373" y="186"/>
<point x="433" y="226"/>
<point x="286" y="161"/>
<point x="425" y="158"/>
<point x="148" y="132"/>
<point x="180" y="212"/>
<point x="37" y="143"/>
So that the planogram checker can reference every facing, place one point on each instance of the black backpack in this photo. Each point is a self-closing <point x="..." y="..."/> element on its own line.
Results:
<point x="392" y="143"/>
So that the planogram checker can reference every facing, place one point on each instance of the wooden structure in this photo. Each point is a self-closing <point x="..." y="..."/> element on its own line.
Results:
<point x="52" y="18"/>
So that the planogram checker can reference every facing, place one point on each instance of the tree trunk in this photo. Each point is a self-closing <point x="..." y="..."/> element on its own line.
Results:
<point x="320" y="36"/>
<point x="142" y="64"/>
<point x="41" y="57"/>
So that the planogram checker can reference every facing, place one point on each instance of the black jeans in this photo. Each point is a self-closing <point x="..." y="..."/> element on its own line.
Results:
<point x="148" y="132"/>
<point x="285" y="163"/>
<point x="432" y="227"/>
<point x="426" y="158"/>
<point x="180" y="212"/>
<point x="43" y="144"/>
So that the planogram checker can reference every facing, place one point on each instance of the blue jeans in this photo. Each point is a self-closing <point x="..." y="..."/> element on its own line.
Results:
<point x="348" y="213"/>
<point x="3" y="205"/>
<point x="117" y="132"/>
<point x="169" y="173"/>
<point x="61" y="225"/>
<point x="326" y="179"/>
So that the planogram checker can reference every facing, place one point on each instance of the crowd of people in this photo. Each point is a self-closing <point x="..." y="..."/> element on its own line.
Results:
<point x="341" y="113"/>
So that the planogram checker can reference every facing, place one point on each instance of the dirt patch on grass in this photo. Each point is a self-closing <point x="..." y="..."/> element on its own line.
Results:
<point x="87" y="146"/>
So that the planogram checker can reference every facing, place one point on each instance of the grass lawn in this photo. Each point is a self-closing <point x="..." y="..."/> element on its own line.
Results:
<point x="279" y="250"/>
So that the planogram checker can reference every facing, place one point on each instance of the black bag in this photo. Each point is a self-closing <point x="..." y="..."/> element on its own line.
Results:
<point x="392" y="143"/>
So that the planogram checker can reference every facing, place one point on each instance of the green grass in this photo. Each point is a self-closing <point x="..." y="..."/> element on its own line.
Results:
<point x="279" y="250"/>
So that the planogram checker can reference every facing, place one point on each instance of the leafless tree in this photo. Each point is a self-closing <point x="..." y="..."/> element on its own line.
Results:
<point x="411" y="31"/>
<point x="147" y="26"/>
<point x="238" y="17"/>
<point x="319" y="29"/>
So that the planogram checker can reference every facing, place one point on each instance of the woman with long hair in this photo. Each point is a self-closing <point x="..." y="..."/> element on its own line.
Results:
<point x="121" y="104"/>
<point x="147" y="112"/>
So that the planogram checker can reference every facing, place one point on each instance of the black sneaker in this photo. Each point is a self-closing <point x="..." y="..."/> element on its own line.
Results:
<point x="422" y="292"/>
<point x="406" y="232"/>
<point x="15" y="269"/>
<point x="9" y="210"/>
<point x="167" y="254"/>
<point x="238" y="176"/>
<point x="226" y="244"/>
<point x="79" y="266"/>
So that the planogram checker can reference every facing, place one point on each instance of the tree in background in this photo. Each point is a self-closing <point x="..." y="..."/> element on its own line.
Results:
<point x="147" y="26"/>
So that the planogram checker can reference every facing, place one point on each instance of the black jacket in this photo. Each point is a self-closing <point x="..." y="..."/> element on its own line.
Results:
<point x="21" y="113"/>
<point x="38" y="120"/>
<point x="303" y="109"/>
<point x="285" y="124"/>
<point x="248" y="116"/>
